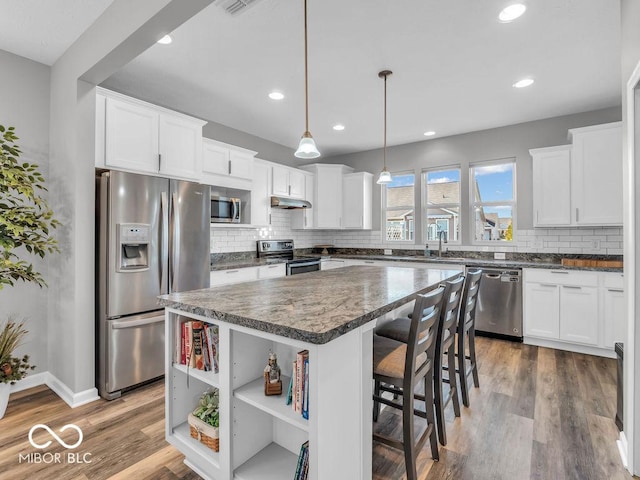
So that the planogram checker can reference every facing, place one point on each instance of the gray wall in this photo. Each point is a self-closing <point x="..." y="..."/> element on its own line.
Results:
<point x="24" y="104"/>
<point x="266" y="149"/>
<point x="504" y="142"/>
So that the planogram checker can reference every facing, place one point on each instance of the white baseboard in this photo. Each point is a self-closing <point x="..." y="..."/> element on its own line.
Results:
<point x="59" y="388"/>
<point x="570" y="347"/>
<point x="623" y="448"/>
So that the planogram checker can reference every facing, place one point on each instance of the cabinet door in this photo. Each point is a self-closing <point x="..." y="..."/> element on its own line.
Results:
<point x="260" y="201"/>
<point x="613" y="317"/>
<point x="542" y="310"/>
<point x="296" y="184"/>
<point x="215" y="158"/>
<point x="180" y="147"/>
<point x="352" y="202"/>
<point x="328" y="208"/>
<point x="551" y="186"/>
<point x="597" y="176"/>
<point x="579" y="314"/>
<point x="280" y="181"/>
<point x="302" y="218"/>
<point x="241" y="164"/>
<point x="272" y="271"/>
<point x="229" y="277"/>
<point x="131" y="137"/>
<point x="331" y="264"/>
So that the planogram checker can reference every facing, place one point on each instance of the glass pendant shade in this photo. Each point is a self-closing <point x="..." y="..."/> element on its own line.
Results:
<point x="307" y="147"/>
<point x="384" y="178"/>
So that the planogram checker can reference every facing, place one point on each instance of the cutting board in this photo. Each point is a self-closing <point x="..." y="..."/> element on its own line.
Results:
<point x="574" y="262"/>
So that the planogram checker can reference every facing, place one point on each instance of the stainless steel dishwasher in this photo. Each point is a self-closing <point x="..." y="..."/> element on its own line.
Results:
<point x="499" y="310"/>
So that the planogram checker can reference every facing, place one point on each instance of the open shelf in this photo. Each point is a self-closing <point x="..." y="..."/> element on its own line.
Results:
<point x="253" y="394"/>
<point x="181" y="434"/>
<point x="271" y="463"/>
<point x="210" y="378"/>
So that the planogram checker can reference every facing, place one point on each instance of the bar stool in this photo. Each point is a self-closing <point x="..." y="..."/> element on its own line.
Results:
<point x="445" y="346"/>
<point x="467" y="332"/>
<point x="406" y="364"/>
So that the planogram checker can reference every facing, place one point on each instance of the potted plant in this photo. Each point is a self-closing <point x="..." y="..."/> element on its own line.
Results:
<point x="204" y="420"/>
<point x="11" y="368"/>
<point x="26" y="222"/>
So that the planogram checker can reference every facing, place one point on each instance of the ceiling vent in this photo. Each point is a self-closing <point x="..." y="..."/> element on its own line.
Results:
<point x="235" y="7"/>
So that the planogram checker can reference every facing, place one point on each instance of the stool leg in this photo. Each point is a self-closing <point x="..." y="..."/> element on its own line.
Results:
<point x="453" y="384"/>
<point x="429" y="407"/>
<point x="462" y="369"/>
<point x="439" y="402"/>
<point x="407" y="436"/>
<point x="376" y="404"/>
<point x="472" y="354"/>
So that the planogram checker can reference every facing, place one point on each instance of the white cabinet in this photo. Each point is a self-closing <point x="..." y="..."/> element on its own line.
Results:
<point x="260" y="201"/>
<point x="613" y="309"/>
<point x="574" y="310"/>
<point x="302" y="218"/>
<point x="597" y="174"/>
<point x="141" y="137"/>
<point x="580" y="184"/>
<point x="551" y="186"/>
<point x="356" y="200"/>
<point x="330" y="264"/>
<point x="226" y="165"/>
<point x="231" y="276"/>
<point x="327" y="199"/>
<point x="272" y="271"/>
<point x="287" y="182"/>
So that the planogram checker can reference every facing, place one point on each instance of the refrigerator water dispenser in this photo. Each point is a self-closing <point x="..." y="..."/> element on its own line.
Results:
<point x="133" y="247"/>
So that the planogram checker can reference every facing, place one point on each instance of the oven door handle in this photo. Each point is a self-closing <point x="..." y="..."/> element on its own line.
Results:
<point x="305" y="264"/>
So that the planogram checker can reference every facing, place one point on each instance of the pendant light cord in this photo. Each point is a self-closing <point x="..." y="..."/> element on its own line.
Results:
<point x="384" y="151"/>
<point x="306" y="73"/>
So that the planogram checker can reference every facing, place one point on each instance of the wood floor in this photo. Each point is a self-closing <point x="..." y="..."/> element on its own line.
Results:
<point x="539" y="414"/>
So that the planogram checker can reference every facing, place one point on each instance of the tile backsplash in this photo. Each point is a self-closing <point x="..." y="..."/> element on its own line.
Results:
<point x="598" y="241"/>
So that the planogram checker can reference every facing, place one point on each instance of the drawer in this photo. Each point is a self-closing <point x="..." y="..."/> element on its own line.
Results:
<point x="612" y="280"/>
<point x="561" y="277"/>
<point x="272" y="271"/>
<point x="238" y="275"/>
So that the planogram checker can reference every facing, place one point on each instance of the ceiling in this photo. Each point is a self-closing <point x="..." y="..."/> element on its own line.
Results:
<point x="454" y="64"/>
<point x="42" y="30"/>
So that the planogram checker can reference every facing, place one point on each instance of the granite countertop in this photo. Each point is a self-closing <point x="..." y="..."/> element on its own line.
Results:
<point x="473" y="262"/>
<point x="314" y="307"/>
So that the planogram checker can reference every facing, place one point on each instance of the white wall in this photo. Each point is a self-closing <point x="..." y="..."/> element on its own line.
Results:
<point x="24" y="104"/>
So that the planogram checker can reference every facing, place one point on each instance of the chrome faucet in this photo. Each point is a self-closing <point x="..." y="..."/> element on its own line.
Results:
<point x="441" y="235"/>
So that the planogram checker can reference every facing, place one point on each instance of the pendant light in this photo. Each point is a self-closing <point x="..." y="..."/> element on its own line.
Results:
<point x="385" y="176"/>
<point x="307" y="147"/>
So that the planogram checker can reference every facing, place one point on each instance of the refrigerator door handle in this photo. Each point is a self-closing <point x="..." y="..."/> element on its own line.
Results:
<point x="174" y="259"/>
<point x="164" y="241"/>
<point x="118" y="324"/>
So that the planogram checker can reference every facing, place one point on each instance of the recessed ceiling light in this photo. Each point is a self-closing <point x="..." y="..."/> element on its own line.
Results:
<point x="338" y="127"/>
<point x="525" y="82"/>
<point x="276" y="96"/>
<point x="510" y="13"/>
<point x="429" y="133"/>
<point x="166" y="40"/>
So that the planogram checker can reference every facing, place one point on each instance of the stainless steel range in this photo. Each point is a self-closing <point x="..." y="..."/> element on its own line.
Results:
<point x="279" y="250"/>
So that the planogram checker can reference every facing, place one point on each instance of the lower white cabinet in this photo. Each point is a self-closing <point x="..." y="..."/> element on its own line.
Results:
<point x="247" y="274"/>
<point x="574" y="310"/>
<point x="329" y="264"/>
<point x="272" y="271"/>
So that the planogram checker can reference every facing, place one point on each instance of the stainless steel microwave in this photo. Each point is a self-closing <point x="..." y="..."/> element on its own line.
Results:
<point x="225" y="209"/>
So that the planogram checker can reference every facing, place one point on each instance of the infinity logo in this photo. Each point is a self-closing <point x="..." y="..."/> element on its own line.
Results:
<point x="52" y="433"/>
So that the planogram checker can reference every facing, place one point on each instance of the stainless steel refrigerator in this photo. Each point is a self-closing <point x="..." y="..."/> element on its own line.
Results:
<point x="152" y="237"/>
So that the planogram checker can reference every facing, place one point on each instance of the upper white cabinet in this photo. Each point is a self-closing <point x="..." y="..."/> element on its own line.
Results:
<point x="141" y="137"/>
<point x="597" y="174"/>
<point x="551" y="186"/>
<point x="580" y="184"/>
<point x="226" y="165"/>
<point x="287" y="182"/>
<point x="302" y="218"/>
<point x="327" y="203"/>
<point x="356" y="200"/>
<point x="260" y="200"/>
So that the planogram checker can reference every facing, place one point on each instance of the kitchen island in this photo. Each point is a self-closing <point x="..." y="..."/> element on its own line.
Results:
<point x="332" y="315"/>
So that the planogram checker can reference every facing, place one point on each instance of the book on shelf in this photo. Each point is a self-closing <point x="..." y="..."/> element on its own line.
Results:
<point x="305" y="389"/>
<point x="302" y="467"/>
<point x="196" y="338"/>
<point x="197" y="345"/>
<point x="297" y="396"/>
<point x="290" y="391"/>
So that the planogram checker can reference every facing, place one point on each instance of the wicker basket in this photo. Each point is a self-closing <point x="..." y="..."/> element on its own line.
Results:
<point x="206" y="434"/>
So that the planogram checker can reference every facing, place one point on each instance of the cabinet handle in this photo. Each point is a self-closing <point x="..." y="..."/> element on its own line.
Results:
<point x="577" y="215"/>
<point x="269" y="219"/>
<point x="289" y="190"/>
<point x="548" y="285"/>
<point x="232" y="271"/>
<point x="159" y="162"/>
<point x="368" y="261"/>
<point x="572" y="287"/>
<point x="619" y="290"/>
<point x="273" y="266"/>
<point x="305" y="218"/>
<point x="229" y="167"/>
<point x="561" y="272"/>
<point x="537" y="216"/>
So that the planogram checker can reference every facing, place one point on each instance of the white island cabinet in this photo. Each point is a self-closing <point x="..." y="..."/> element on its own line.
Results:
<point x="260" y="436"/>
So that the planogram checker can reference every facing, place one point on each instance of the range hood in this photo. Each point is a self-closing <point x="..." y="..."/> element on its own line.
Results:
<point x="284" y="202"/>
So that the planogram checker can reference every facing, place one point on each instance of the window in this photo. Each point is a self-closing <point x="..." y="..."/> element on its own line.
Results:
<point x="441" y="201"/>
<point x="493" y="200"/>
<point x="399" y="208"/>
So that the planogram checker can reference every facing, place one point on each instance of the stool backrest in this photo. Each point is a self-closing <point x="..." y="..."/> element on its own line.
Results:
<point x="449" y="313"/>
<point x="469" y="300"/>
<point x="423" y="331"/>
